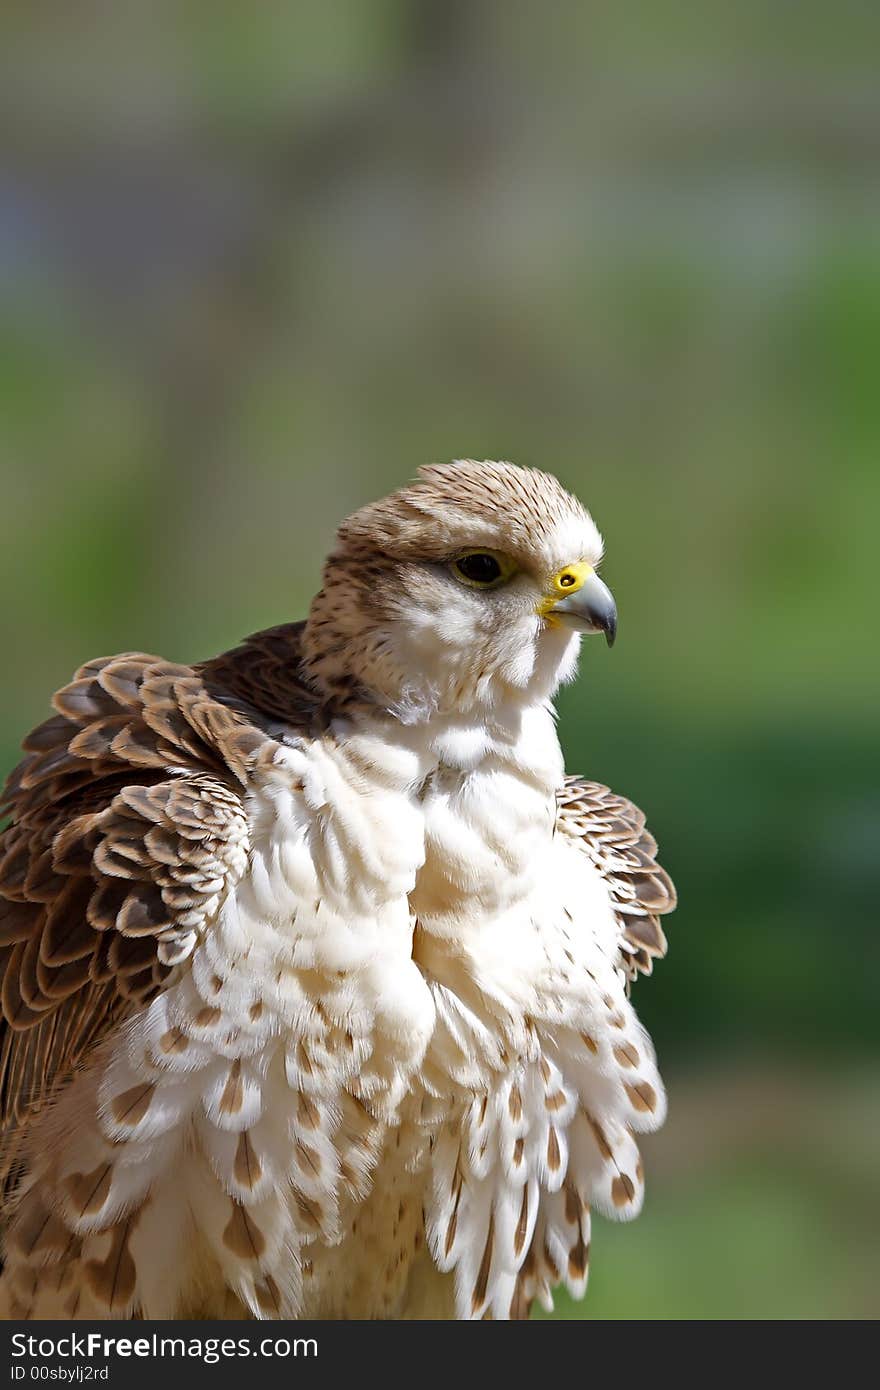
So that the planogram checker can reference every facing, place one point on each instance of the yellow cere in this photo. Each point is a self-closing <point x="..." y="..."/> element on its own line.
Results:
<point x="572" y="578"/>
<point x="567" y="581"/>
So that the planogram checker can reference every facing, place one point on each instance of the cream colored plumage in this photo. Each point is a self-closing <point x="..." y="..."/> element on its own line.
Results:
<point x="315" y="964"/>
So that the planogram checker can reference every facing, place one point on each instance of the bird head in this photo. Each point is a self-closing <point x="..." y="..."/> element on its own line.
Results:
<point x="470" y="587"/>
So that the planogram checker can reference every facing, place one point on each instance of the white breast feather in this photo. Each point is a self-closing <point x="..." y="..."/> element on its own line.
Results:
<point x="411" y="998"/>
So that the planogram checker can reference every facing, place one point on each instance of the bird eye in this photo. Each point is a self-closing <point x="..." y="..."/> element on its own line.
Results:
<point x="480" y="569"/>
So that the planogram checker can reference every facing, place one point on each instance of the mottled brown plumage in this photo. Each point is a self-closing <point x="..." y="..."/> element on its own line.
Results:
<point x="612" y="832"/>
<point x="109" y="868"/>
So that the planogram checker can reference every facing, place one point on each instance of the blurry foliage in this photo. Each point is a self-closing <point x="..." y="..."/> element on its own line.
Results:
<point x="255" y="267"/>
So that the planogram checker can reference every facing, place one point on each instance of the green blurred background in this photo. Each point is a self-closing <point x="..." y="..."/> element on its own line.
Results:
<point x="257" y="263"/>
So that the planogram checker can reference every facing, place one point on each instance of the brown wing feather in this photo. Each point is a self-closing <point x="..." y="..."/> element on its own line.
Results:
<point x="127" y="828"/>
<point x="612" y="831"/>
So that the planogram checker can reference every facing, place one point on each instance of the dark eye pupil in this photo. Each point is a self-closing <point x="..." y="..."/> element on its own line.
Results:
<point x="482" y="569"/>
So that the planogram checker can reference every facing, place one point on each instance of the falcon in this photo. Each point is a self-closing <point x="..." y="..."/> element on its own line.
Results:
<point x="315" y="964"/>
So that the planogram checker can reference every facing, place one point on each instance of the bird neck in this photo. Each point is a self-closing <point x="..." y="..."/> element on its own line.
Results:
<point x="268" y="678"/>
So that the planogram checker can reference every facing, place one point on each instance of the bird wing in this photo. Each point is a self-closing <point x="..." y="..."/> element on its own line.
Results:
<point x="611" y="830"/>
<point x="128" y="828"/>
<point x="554" y="1135"/>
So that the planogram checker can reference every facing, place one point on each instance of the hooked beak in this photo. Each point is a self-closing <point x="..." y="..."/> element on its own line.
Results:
<point x="591" y="608"/>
